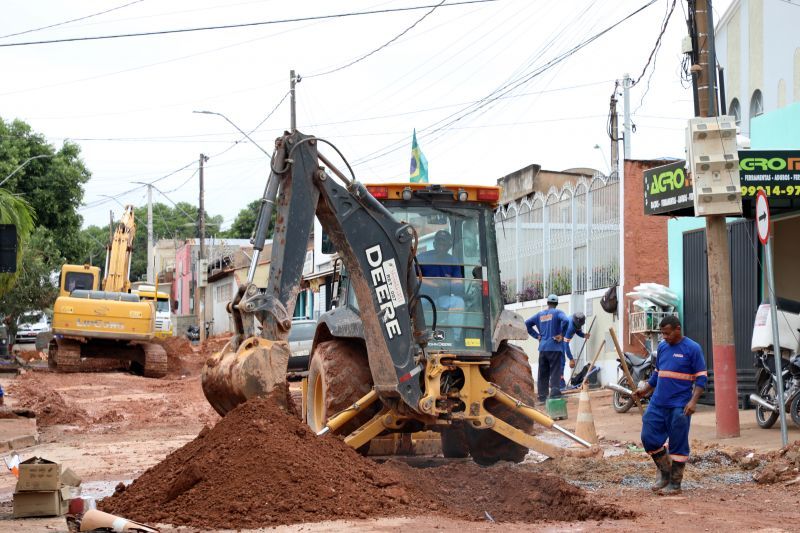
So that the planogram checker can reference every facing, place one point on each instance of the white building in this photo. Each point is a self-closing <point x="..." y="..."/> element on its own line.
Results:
<point x="758" y="46"/>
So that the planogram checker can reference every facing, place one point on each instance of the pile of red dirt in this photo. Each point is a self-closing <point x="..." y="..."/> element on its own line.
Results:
<point x="781" y="465"/>
<point x="31" y="355"/>
<point x="260" y="466"/>
<point x="182" y="359"/>
<point x="50" y="407"/>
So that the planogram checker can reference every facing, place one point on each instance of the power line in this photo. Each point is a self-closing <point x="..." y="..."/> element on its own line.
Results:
<point x="71" y="20"/>
<point x="381" y="47"/>
<point x="446" y="122"/>
<point x="243" y="25"/>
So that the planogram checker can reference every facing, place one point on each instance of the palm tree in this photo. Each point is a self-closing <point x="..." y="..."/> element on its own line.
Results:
<point x="15" y="210"/>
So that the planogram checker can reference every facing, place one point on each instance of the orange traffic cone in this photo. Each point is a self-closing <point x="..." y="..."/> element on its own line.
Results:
<point x="585" y="426"/>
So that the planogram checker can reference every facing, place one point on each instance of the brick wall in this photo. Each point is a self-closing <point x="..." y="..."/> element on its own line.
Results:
<point x="646" y="254"/>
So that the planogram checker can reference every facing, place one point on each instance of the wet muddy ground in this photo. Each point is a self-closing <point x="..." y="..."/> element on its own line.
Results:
<point x="118" y="426"/>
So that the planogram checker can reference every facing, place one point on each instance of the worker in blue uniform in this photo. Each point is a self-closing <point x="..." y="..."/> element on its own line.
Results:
<point x="548" y="326"/>
<point x="678" y="381"/>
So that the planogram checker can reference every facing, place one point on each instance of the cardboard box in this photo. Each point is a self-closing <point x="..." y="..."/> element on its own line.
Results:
<point x="40" y="503"/>
<point x="68" y="477"/>
<point x="37" y="474"/>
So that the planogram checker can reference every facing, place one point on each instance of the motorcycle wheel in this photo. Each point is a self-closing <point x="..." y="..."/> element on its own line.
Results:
<point x="622" y="403"/>
<point x="794" y="408"/>
<point x="764" y="417"/>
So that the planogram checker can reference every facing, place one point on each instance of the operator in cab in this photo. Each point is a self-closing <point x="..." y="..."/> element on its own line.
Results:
<point x="439" y="263"/>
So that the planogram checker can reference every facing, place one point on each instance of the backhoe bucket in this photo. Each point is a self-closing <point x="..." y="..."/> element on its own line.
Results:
<point x="257" y="368"/>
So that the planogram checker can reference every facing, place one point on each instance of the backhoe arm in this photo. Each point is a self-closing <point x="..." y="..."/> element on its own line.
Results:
<point x="377" y="251"/>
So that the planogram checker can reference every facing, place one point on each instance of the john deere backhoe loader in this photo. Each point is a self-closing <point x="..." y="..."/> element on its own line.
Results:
<point x="101" y="329"/>
<point x="419" y="339"/>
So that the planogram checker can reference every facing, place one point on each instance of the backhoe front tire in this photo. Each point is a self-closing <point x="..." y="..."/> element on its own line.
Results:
<point x="511" y="371"/>
<point x="338" y="377"/>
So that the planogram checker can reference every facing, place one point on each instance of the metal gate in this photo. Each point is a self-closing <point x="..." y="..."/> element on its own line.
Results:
<point x="745" y="288"/>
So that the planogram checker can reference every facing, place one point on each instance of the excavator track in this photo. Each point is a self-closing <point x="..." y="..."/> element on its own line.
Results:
<point x="64" y="355"/>
<point x="155" y="361"/>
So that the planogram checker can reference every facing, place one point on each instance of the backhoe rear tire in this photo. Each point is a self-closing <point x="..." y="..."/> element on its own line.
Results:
<point x="338" y="377"/>
<point x="511" y="371"/>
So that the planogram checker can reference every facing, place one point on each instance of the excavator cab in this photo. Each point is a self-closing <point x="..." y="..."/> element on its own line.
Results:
<point x="456" y="260"/>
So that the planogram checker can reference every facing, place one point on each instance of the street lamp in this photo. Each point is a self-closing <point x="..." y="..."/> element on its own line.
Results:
<point x="40" y="156"/>
<point x="237" y="128"/>
<point x="597" y="147"/>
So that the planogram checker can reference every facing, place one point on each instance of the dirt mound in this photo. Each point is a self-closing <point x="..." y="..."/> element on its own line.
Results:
<point x="214" y="344"/>
<point x="506" y="493"/>
<point x="50" y="407"/>
<point x="260" y="466"/>
<point x="781" y="465"/>
<point x="31" y="355"/>
<point x="182" y="358"/>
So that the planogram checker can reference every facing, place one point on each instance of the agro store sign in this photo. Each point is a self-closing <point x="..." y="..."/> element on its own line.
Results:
<point x="777" y="173"/>
<point x="667" y="189"/>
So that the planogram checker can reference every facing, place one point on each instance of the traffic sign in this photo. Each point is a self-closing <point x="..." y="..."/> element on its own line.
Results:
<point x="762" y="217"/>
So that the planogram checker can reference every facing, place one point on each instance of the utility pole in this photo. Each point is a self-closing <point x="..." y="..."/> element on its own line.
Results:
<point x="626" y="119"/>
<point x="149" y="233"/>
<point x="293" y="81"/>
<point x="199" y="293"/>
<point x="726" y="397"/>
<point x="612" y="113"/>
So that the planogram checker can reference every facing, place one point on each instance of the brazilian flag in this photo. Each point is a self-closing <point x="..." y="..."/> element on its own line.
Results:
<point x="419" y="165"/>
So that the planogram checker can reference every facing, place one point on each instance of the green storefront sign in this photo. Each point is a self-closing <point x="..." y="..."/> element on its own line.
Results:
<point x="668" y="189"/>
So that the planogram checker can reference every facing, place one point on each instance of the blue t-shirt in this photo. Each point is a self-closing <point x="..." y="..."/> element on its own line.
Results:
<point x="545" y="325"/>
<point x="571" y="332"/>
<point x="679" y="367"/>
<point x="433" y="265"/>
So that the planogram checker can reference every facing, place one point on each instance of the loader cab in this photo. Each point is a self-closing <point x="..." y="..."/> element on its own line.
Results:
<point x="78" y="277"/>
<point x="457" y="258"/>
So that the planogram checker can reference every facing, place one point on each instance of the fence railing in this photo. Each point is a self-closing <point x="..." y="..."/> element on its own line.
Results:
<point x="560" y="242"/>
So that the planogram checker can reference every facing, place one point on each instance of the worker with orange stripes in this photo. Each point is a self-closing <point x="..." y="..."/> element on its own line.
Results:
<point x="679" y="380"/>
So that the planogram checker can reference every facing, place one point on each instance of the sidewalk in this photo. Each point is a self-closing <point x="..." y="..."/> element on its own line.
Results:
<point x="613" y="426"/>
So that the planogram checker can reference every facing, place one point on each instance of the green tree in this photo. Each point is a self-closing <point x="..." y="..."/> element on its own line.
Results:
<point x="36" y="287"/>
<point x="14" y="210"/>
<point x="245" y="222"/>
<point x="52" y="185"/>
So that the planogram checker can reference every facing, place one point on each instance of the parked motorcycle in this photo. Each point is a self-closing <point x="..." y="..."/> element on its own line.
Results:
<point x="641" y="368"/>
<point x="193" y="333"/>
<point x="767" y="386"/>
<point x="766" y="397"/>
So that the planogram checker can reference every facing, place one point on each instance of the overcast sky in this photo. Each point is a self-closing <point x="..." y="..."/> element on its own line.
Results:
<point x="128" y="102"/>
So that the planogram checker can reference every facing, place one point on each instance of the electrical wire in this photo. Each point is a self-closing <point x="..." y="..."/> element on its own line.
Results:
<point x="71" y="20"/>
<point x="242" y="25"/>
<point x="381" y="47"/>
<point x="447" y="122"/>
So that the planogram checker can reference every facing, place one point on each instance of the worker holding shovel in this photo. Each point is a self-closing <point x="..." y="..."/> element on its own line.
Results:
<point x="679" y="379"/>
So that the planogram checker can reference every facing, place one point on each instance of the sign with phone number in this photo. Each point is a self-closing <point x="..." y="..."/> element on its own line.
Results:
<point x="776" y="172"/>
<point x="770" y="190"/>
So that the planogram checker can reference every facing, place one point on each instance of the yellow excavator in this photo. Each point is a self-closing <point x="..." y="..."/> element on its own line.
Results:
<point x="419" y="337"/>
<point x="98" y="328"/>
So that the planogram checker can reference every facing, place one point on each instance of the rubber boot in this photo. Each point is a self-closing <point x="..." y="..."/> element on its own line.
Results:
<point x="675" y="478"/>
<point x="664" y="464"/>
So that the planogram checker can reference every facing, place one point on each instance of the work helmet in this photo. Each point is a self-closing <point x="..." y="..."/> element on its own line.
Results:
<point x="552" y="299"/>
<point x="579" y="319"/>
